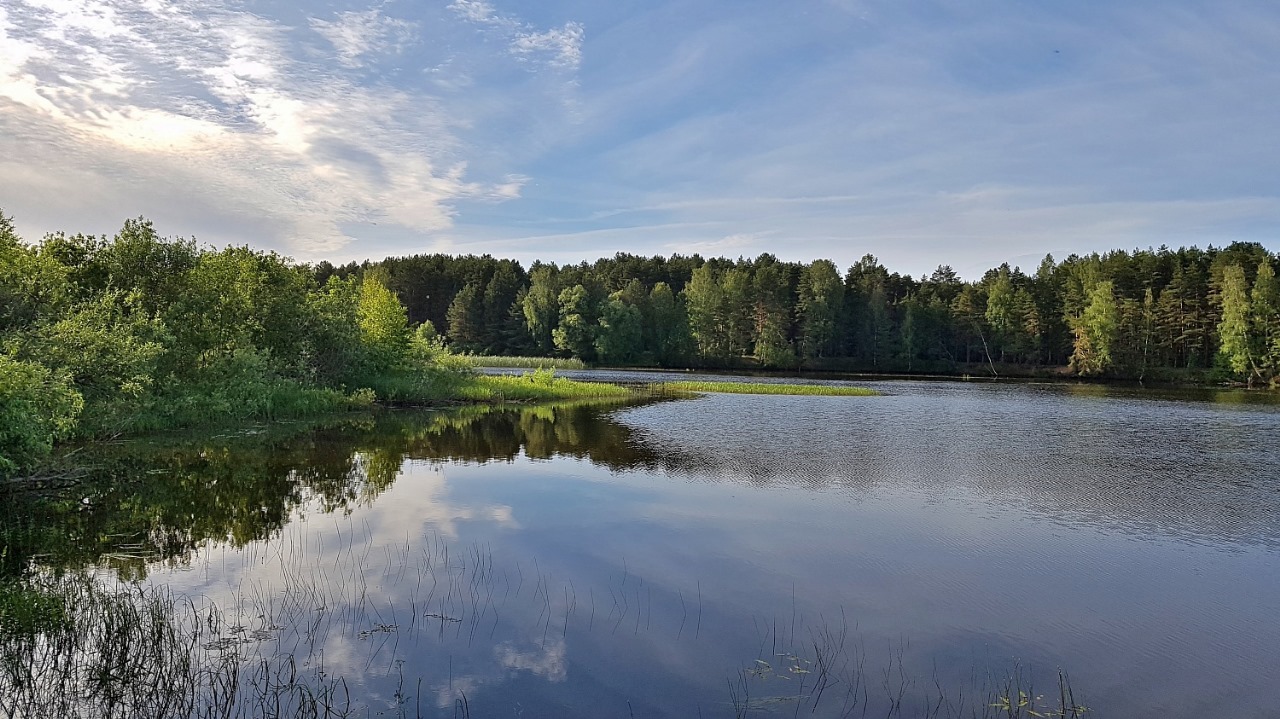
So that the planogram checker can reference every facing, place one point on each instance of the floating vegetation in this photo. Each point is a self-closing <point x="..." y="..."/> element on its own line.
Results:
<point x="827" y="390"/>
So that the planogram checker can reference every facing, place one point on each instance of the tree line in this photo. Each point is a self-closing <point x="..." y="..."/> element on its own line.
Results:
<point x="101" y="335"/>
<point x="1211" y="314"/>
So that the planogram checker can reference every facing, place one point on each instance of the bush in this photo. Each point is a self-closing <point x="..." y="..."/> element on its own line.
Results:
<point x="37" y="408"/>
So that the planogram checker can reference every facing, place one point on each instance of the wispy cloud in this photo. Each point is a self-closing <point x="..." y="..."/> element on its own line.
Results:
<point x="190" y="110"/>
<point x="557" y="47"/>
<point x="357" y="34"/>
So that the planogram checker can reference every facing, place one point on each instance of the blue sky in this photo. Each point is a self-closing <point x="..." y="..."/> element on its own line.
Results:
<point x="969" y="133"/>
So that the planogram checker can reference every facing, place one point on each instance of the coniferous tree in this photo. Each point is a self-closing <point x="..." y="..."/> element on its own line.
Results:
<point x="466" y="319"/>
<point x="819" y="306"/>
<point x="499" y="293"/>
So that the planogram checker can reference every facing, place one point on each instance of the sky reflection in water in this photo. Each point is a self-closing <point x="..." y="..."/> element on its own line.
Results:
<point x="601" y="562"/>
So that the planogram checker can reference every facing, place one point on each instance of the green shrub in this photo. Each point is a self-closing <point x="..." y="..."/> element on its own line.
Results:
<point x="37" y="408"/>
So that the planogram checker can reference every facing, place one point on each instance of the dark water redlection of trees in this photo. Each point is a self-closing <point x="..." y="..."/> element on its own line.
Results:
<point x="1186" y="313"/>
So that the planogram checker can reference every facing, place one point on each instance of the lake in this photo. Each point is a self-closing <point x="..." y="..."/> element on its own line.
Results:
<point x="731" y="555"/>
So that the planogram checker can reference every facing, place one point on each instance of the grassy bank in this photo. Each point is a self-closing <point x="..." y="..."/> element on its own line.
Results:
<point x="764" y="388"/>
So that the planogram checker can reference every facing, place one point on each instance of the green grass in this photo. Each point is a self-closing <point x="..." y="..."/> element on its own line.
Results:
<point x="527" y="362"/>
<point x="539" y="386"/>
<point x="763" y="388"/>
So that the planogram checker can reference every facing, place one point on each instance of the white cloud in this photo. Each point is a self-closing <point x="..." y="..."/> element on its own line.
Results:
<point x="357" y="34"/>
<point x="200" y="110"/>
<point x="477" y="11"/>
<point x="559" y="48"/>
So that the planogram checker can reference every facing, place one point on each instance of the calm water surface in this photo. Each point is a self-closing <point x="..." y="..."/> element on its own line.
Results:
<point x="697" y="556"/>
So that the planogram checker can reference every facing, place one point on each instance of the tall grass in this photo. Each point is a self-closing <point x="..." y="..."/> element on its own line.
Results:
<point x="142" y="652"/>
<point x="765" y="388"/>
<point x="527" y="362"/>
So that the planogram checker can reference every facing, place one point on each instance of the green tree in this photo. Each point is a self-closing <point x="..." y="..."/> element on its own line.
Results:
<point x="37" y="408"/>
<point x="1265" y="320"/>
<point x="1004" y="315"/>
<point x="576" y="333"/>
<point x="499" y="294"/>
<point x="542" y="308"/>
<point x="107" y="346"/>
<point x="772" y="315"/>
<point x="735" y="311"/>
<point x="32" y="286"/>
<point x="384" y="325"/>
<point x="1095" y="332"/>
<point x="669" y="327"/>
<point x="618" y="338"/>
<point x="466" y="317"/>
<point x="821" y="299"/>
<point x="704" y="301"/>
<point x="1234" y="349"/>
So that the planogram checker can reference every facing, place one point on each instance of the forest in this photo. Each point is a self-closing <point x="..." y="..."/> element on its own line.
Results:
<point x="1156" y="314"/>
<point x="101" y="336"/>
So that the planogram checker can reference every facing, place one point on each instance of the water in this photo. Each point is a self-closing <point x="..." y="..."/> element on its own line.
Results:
<point x="705" y="556"/>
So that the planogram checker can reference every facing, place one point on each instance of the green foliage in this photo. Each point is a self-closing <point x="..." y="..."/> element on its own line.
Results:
<point x="1096" y="330"/>
<point x="618" y="339"/>
<point x="32" y="286"/>
<point x="821" y="300"/>
<point x="704" y="298"/>
<point x="1233" y="328"/>
<point x="37" y="408"/>
<point x="466" y="319"/>
<point x="541" y="308"/>
<point x="671" y="341"/>
<point x="384" y="325"/>
<point x="107" y="345"/>
<point x="1265" y="321"/>
<point x="577" y="331"/>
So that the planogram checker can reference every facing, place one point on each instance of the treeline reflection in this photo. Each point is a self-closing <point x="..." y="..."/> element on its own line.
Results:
<point x="145" y="502"/>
